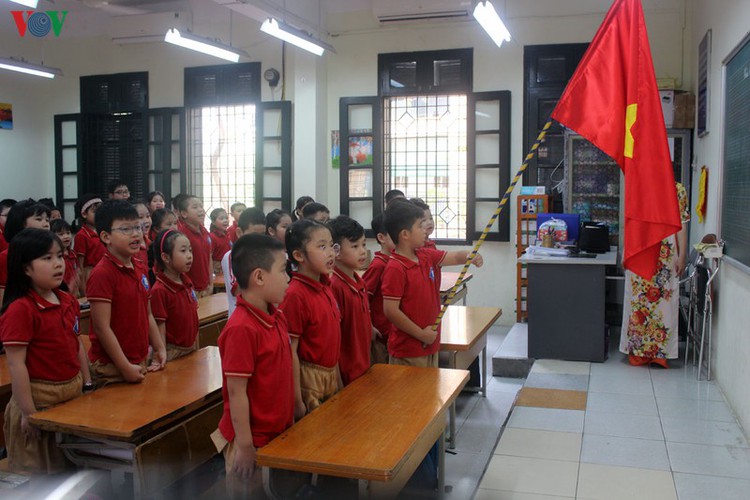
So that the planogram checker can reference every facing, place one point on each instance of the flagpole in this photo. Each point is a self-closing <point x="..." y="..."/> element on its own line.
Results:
<point x="503" y="202"/>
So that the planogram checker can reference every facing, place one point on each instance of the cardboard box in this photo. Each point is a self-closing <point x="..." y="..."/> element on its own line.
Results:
<point x="684" y="110"/>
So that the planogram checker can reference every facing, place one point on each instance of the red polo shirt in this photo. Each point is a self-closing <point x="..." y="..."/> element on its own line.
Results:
<point x="356" y="325"/>
<point x="71" y="270"/>
<point x="373" y="278"/>
<point x="176" y="304"/>
<point x="126" y="289"/>
<point x="414" y="284"/>
<point x="3" y="269"/>
<point x="220" y="244"/>
<point x="200" y="241"/>
<point x="255" y="345"/>
<point x="313" y="315"/>
<point x="49" y="332"/>
<point x="232" y="232"/>
<point x="88" y="245"/>
<point x="3" y="243"/>
<point x="428" y="243"/>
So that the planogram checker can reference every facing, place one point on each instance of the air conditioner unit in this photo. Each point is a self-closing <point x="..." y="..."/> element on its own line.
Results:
<point x="123" y="29"/>
<point x="401" y="11"/>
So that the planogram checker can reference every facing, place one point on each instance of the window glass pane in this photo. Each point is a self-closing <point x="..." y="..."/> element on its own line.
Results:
<point x="270" y="205"/>
<point x="70" y="186"/>
<point x="360" y="183"/>
<point x="68" y="133"/>
<point x="271" y="123"/>
<point x="488" y="149"/>
<point x="70" y="160"/>
<point x="487" y="115"/>
<point x="488" y="182"/>
<point x="447" y="73"/>
<point x="402" y="74"/>
<point x="425" y="156"/>
<point x="361" y="211"/>
<point x="484" y="211"/>
<point x="360" y="118"/>
<point x="271" y="153"/>
<point x="272" y="184"/>
<point x="176" y="127"/>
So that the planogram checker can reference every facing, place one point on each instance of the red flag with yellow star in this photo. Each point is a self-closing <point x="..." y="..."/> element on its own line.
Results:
<point x="613" y="101"/>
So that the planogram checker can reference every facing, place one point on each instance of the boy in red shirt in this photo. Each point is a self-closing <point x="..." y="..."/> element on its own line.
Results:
<point x="351" y="294"/>
<point x="235" y="211"/>
<point x="256" y="363"/>
<point x="410" y="291"/>
<point x="373" y="278"/>
<point x="122" y="325"/>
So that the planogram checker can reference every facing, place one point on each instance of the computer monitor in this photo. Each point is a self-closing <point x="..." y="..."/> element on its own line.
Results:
<point x="572" y="220"/>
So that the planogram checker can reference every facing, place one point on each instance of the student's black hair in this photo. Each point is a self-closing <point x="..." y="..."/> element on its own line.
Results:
<point x="253" y="251"/>
<point x="28" y="245"/>
<point x="344" y="227"/>
<point x="183" y="200"/>
<point x="252" y="216"/>
<point x="112" y="210"/>
<point x="235" y="205"/>
<point x="301" y="202"/>
<point x="158" y="216"/>
<point x="400" y="215"/>
<point x="7" y="203"/>
<point x="393" y="194"/>
<point x="299" y="234"/>
<point x="152" y="195"/>
<point x="420" y="203"/>
<point x="215" y="213"/>
<point x="18" y="214"/>
<point x="176" y="201"/>
<point x="164" y="242"/>
<point x="59" y="226"/>
<point x="112" y="186"/>
<point x="78" y="222"/>
<point x="313" y="208"/>
<point x="378" y="225"/>
<point x="49" y="203"/>
<point x="135" y="203"/>
<point x="274" y="218"/>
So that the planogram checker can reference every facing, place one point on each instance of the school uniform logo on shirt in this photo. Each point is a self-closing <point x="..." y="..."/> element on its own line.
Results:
<point x="192" y="294"/>
<point x="432" y="274"/>
<point x="76" y="328"/>
<point x="144" y="282"/>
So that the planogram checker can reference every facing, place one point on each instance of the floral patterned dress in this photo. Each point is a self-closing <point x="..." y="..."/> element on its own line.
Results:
<point x="650" y="309"/>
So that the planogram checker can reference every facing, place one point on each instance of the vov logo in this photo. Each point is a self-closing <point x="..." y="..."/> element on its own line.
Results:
<point x="39" y="23"/>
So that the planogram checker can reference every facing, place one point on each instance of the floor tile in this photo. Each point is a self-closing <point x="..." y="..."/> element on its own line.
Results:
<point x="547" y="419"/>
<point x="477" y="437"/>
<point x="513" y="495"/>
<point x="504" y="384"/>
<point x="726" y="461"/>
<point x="625" y="452"/>
<point x="463" y="472"/>
<point x="492" y="409"/>
<point x="551" y="398"/>
<point x="687" y="389"/>
<point x="698" y="487"/>
<point x="531" y="475"/>
<point x="695" y="408"/>
<point x="558" y="381"/>
<point x="688" y="430"/>
<point x="557" y="366"/>
<point x="621" y="384"/>
<point x="623" y="483"/>
<point x="530" y="443"/>
<point x="627" y="404"/>
<point x="623" y="425"/>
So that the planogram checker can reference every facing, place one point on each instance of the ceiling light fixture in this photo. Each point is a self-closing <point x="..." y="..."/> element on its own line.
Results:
<point x="204" y="45"/>
<point x="25" y="67"/>
<point x="486" y="15"/>
<point x="295" y="37"/>
<point x="27" y="3"/>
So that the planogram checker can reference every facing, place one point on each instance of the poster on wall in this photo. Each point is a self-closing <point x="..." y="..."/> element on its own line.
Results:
<point x="6" y="116"/>
<point x="704" y="63"/>
<point x="335" y="149"/>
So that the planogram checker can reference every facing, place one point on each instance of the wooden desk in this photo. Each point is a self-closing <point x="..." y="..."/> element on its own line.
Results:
<point x="219" y="285"/>
<point x="447" y="281"/>
<point x="212" y="316"/>
<point x="157" y="430"/>
<point x="377" y="430"/>
<point x="463" y="337"/>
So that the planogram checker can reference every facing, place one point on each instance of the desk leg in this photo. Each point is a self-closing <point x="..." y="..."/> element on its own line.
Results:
<point x="466" y="292"/>
<point x="364" y="486"/>
<point x="484" y="371"/>
<point x="452" y="411"/>
<point x="267" y="484"/>
<point x="441" y="466"/>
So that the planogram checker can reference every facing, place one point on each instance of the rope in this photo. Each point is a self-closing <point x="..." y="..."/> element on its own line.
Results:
<point x="503" y="202"/>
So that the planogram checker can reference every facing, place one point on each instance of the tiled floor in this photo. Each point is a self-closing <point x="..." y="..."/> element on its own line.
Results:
<point x="645" y="433"/>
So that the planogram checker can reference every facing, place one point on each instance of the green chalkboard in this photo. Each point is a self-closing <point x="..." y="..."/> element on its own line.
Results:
<point x="735" y="206"/>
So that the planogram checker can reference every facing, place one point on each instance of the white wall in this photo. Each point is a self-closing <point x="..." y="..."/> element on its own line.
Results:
<point x="353" y="72"/>
<point x="728" y="21"/>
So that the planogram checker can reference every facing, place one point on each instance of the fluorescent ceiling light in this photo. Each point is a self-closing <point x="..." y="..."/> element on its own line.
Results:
<point x="204" y="45"/>
<point x="28" y="68"/>
<point x="295" y="37"/>
<point x="27" y="3"/>
<point x="485" y="14"/>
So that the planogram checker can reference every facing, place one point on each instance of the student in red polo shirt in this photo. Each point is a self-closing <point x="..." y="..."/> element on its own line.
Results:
<point x="4" y="209"/>
<point x="46" y="358"/>
<point x="144" y="217"/>
<point x="221" y="243"/>
<point x="26" y="213"/>
<point x="191" y="218"/>
<point x="174" y="303"/>
<point x="248" y="223"/>
<point x="351" y="294"/>
<point x="313" y="315"/>
<point x="256" y="363"/>
<point x="72" y="278"/>
<point x="410" y="291"/>
<point x="87" y="245"/>
<point x="236" y="210"/>
<point x="122" y="325"/>
<point x="373" y="280"/>
<point x="429" y="222"/>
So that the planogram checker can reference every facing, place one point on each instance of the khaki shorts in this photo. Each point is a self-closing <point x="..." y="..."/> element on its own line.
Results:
<point x="378" y="353"/>
<point x="205" y="293"/>
<point x="237" y="487"/>
<point x="317" y="383"/>
<point x="107" y="373"/>
<point x="38" y="456"/>
<point x="177" y="351"/>
<point x="428" y="361"/>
